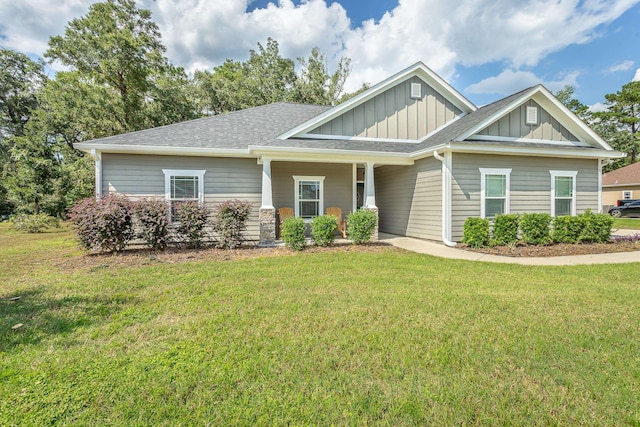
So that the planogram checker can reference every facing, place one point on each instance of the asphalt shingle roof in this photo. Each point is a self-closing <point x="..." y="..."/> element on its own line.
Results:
<point x="623" y="176"/>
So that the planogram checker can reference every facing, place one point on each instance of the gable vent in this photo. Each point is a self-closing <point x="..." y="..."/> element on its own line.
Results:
<point x="416" y="91"/>
<point x="532" y="116"/>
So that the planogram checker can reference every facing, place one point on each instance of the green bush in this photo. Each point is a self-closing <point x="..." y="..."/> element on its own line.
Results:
<point x="293" y="233"/>
<point x="192" y="218"/>
<point x="323" y="229"/>
<point x="567" y="229"/>
<point x="595" y="227"/>
<point x="35" y="223"/>
<point x="361" y="224"/>
<point x="505" y="229"/>
<point x="230" y="222"/>
<point x="476" y="232"/>
<point x="535" y="228"/>
<point x="153" y="222"/>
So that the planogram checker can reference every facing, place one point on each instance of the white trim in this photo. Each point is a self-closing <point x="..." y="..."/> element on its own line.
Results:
<point x="549" y="102"/>
<point x="536" y="141"/>
<point x="483" y="195"/>
<point x="599" y="185"/>
<point x="331" y="155"/>
<point x="162" y="150"/>
<point x="533" y="151"/>
<point x="267" y="192"/>
<point x="297" y="179"/>
<point x="369" y="196"/>
<point x="418" y="69"/>
<point x="97" y="156"/>
<point x="558" y="173"/>
<point x="354" y="194"/>
<point x="531" y="117"/>
<point x="630" y="194"/>
<point x="446" y="175"/>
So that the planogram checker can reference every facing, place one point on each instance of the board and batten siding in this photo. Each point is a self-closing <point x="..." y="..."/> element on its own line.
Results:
<point x="409" y="199"/>
<point x="513" y="125"/>
<point x="139" y="176"/>
<point x="530" y="184"/>
<point x="394" y="114"/>
<point x="338" y="183"/>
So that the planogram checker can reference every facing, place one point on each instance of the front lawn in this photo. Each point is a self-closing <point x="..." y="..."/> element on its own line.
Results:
<point x="347" y="338"/>
<point x="626" y="223"/>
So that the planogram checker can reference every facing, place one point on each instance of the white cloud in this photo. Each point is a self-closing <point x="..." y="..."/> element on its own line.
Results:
<point x="597" y="107"/>
<point x="510" y="81"/>
<point x="623" y="66"/>
<point x="636" y="77"/>
<point x="442" y="33"/>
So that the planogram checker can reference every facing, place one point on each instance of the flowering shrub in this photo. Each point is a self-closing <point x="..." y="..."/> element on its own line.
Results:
<point x="153" y="222"/>
<point x="191" y="219"/>
<point x="323" y="229"/>
<point x="230" y="222"/>
<point x="361" y="225"/>
<point x="103" y="224"/>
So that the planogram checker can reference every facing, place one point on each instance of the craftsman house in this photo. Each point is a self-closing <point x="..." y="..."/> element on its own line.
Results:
<point x="411" y="147"/>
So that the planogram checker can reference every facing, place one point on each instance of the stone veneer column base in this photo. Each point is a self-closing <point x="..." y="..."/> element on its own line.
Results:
<point x="374" y="236"/>
<point x="267" y="220"/>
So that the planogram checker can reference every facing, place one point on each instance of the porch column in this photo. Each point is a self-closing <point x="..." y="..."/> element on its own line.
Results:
<point x="267" y="215"/>
<point x="97" y="156"/>
<point x="370" y="195"/>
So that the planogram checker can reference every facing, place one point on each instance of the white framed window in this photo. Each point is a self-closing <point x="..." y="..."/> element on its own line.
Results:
<point x="495" y="192"/>
<point x="183" y="185"/>
<point x="627" y="195"/>
<point x="309" y="196"/>
<point x="563" y="192"/>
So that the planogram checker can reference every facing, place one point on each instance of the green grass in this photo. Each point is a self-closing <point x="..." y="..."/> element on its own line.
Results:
<point x="627" y="223"/>
<point x="386" y="338"/>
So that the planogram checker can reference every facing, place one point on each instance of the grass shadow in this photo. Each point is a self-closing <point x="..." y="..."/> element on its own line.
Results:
<point x="30" y="317"/>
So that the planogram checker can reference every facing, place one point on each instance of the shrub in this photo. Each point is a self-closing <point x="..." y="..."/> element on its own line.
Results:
<point x="535" y="228"/>
<point x="35" y="223"/>
<point x="152" y="215"/>
<point x="191" y="219"/>
<point x="476" y="232"/>
<point x="103" y="224"/>
<point x="293" y="233"/>
<point x="566" y="229"/>
<point x="230" y="222"/>
<point x="361" y="224"/>
<point x="323" y="229"/>
<point x="595" y="227"/>
<point x="505" y="229"/>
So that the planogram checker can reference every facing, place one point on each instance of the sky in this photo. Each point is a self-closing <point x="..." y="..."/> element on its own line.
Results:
<point x="486" y="49"/>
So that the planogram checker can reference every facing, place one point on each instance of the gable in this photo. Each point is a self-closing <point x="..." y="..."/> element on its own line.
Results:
<point x="514" y="125"/>
<point x="394" y="114"/>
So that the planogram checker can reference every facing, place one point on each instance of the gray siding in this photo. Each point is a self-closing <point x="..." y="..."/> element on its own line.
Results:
<point x="393" y="114"/>
<point x="530" y="184"/>
<point x="140" y="176"/>
<point x="409" y="199"/>
<point x="338" y="183"/>
<point x="513" y="125"/>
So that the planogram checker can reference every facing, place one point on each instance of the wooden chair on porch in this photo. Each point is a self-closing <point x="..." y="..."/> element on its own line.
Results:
<point x="284" y="213"/>
<point x="342" y="224"/>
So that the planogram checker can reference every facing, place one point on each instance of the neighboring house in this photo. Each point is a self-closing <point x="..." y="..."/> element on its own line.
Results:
<point x="411" y="147"/>
<point x="621" y="184"/>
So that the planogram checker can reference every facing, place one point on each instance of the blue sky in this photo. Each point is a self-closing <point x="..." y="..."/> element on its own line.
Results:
<point x="485" y="48"/>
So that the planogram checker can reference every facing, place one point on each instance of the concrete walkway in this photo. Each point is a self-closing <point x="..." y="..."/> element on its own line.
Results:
<point x="441" y="250"/>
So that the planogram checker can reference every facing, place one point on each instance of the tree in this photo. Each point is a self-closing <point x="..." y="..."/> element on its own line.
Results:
<point x="315" y="85"/>
<point x="620" y="124"/>
<point x="565" y="95"/>
<point x="268" y="77"/>
<point x="118" y="45"/>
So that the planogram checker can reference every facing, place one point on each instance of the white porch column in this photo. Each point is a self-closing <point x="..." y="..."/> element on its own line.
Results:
<point x="97" y="156"/>
<point x="369" y="187"/>
<point x="267" y="193"/>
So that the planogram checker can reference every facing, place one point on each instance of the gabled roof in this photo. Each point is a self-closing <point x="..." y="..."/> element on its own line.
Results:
<point x="418" y="69"/>
<point x="628" y="175"/>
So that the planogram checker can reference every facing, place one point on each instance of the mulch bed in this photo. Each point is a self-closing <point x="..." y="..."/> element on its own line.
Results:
<point x="557" y="249"/>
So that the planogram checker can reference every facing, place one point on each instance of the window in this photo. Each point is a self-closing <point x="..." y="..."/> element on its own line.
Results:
<point x="627" y="195"/>
<point x="309" y="196"/>
<point x="563" y="192"/>
<point x="183" y="185"/>
<point x="494" y="192"/>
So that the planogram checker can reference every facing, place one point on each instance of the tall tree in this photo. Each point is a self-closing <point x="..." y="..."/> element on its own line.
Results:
<point x="620" y="123"/>
<point x="118" y="45"/>
<point x="565" y="95"/>
<point x="315" y="85"/>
